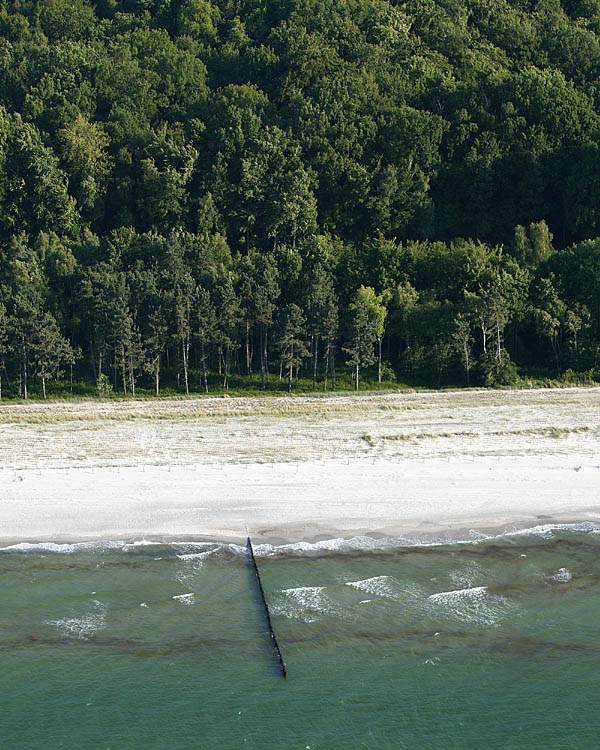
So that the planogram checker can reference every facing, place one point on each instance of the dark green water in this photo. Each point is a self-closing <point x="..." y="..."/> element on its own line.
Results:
<point x="486" y="645"/>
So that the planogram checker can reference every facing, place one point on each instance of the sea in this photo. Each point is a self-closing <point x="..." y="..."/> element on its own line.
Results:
<point x="490" y="642"/>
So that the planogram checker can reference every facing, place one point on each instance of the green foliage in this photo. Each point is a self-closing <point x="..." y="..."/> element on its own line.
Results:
<point x="366" y="317"/>
<point x="191" y="190"/>
<point x="292" y="346"/>
<point x="103" y="386"/>
<point x="498" y="372"/>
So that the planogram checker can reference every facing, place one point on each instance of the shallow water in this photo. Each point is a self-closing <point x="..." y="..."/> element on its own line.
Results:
<point x="486" y="644"/>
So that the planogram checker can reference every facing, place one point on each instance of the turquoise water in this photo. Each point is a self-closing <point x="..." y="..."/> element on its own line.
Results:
<point x="492" y="644"/>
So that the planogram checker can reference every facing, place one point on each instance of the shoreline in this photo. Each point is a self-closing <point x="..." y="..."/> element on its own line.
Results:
<point x="357" y="540"/>
<point x="413" y="466"/>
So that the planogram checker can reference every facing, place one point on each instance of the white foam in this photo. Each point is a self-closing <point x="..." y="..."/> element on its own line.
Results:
<point x="192" y="562"/>
<point x="337" y="544"/>
<point x="84" y="627"/>
<point x="187" y="599"/>
<point x="141" y="543"/>
<point x="62" y="549"/>
<point x="467" y="576"/>
<point x="197" y="556"/>
<point x="562" y="575"/>
<point x="306" y="603"/>
<point x="307" y="596"/>
<point x="471" y="605"/>
<point x="358" y="543"/>
<point x="547" y="530"/>
<point x="477" y="592"/>
<point x="385" y="586"/>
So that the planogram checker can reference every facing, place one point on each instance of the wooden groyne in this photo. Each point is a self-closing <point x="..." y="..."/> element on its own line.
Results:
<point x="252" y="561"/>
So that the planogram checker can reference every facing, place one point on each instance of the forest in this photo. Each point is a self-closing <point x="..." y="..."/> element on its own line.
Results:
<point x="202" y="195"/>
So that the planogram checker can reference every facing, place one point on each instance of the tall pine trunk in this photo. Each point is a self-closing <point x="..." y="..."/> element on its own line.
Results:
<point x="332" y="369"/>
<point x="315" y="354"/>
<point x="131" y="377"/>
<point x="185" y="350"/>
<point x="225" y="379"/>
<point x="266" y="351"/>
<point x="25" y="373"/>
<point x="262" y="358"/>
<point x="248" y="362"/>
<point x="124" y="371"/>
<point x="203" y="366"/>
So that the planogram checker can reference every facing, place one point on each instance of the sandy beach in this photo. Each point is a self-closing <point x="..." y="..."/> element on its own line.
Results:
<point x="441" y="465"/>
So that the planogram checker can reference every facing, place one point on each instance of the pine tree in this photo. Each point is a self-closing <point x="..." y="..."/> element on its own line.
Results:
<point x="292" y="345"/>
<point x="50" y="350"/>
<point x="365" y="321"/>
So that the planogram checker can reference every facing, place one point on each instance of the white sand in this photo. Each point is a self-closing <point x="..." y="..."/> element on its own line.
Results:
<point x="418" y="465"/>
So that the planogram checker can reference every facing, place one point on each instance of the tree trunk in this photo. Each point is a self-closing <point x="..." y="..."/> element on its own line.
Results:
<point x="25" y="373"/>
<point x="315" y="354"/>
<point x="131" y="378"/>
<point x="498" y="343"/>
<point x="156" y="375"/>
<point x="247" y="347"/>
<point x="356" y="376"/>
<point x="266" y="352"/>
<point x="262" y="358"/>
<point x="332" y="370"/>
<point x="44" y="386"/>
<point x="185" y="348"/>
<point x="379" y="363"/>
<point x="203" y="366"/>
<point x="225" y="380"/>
<point x="291" y="372"/>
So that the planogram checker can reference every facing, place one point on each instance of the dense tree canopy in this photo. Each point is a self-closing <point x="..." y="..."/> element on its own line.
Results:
<point x="191" y="190"/>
